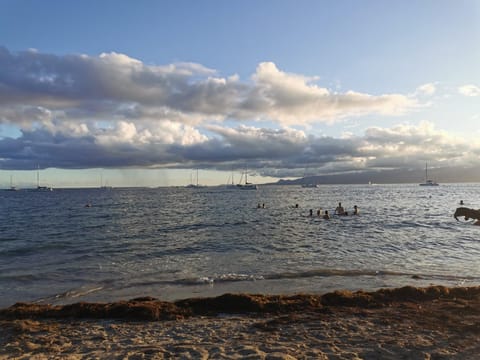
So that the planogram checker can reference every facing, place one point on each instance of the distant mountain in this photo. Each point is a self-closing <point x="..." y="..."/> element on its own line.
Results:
<point x="398" y="176"/>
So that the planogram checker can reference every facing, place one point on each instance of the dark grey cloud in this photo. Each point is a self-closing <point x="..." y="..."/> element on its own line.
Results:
<point x="270" y="152"/>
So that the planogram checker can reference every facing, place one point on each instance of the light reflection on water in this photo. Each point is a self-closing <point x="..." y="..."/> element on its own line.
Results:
<point x="178" y="242"/>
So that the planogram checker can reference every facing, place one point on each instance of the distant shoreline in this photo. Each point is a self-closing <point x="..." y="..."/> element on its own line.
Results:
<point x="279" y="183"/>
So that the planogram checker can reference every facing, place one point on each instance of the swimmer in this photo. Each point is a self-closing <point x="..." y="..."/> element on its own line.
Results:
<point x="340" y="210"/>
<point x="311" y="212"/>
<point x="326" y="216"/>
<point x="355" y="210"/>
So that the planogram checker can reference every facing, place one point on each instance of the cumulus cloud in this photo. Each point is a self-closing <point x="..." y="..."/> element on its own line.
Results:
<point x="117" y="87"/>
<point x="469" y="90"/>
<point x="295" y="99"/>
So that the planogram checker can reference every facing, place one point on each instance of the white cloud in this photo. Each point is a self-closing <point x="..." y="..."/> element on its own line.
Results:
<point x="295" y="99"/>
<point x="158" y="133"/>
<point x="116" y="87"/>
<point x="408" y="144"/>
<point x="469" y="90"/>
<point x="427" y="89"/>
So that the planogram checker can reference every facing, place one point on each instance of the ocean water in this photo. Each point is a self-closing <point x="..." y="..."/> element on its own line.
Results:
<point x="174" y="243"/>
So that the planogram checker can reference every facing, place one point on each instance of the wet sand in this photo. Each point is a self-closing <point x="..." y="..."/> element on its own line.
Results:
<point x="405" y="323"/>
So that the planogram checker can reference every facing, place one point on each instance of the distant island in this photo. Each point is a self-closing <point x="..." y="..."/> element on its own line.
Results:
<point x="398" y="176"/>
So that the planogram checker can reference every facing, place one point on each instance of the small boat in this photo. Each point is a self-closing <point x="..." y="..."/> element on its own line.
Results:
<point x="428" y="182"/>
<point x="246" y="185"/>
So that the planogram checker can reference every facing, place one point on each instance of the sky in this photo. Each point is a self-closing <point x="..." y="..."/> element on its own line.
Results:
<point x="144" y="93"/>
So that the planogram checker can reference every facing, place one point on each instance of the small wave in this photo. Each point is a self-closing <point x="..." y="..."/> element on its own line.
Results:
<point x="224" y="278"/>
<point x="70" y="294"/>
<point x="219" y="279"/>
<point x="358" y="273"/>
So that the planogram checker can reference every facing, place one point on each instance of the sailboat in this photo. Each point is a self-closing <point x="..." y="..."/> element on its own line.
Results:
<point x="232" y="184"/>
<point x="247" y="185"/>
<point x="41" y="188"/>
<point x="12" y="187"/>
<point x="104" y="186"/>
<point x="308" y="184"/>
<point x="428" y="182"/>
<point x="192" y="185"/>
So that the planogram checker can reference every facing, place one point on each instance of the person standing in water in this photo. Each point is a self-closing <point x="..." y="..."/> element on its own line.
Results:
<point x="340" y="210"/>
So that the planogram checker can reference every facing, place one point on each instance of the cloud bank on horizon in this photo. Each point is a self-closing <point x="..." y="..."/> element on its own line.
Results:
<point x="79" y="111"/>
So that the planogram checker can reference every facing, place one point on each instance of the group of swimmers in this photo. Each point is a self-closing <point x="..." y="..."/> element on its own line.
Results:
<point x="339" y="210"/>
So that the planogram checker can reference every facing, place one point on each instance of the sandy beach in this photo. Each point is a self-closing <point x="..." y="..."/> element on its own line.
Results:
<point x="405" y="323"/>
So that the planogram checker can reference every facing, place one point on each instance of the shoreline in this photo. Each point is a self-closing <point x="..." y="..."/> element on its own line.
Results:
<point x="408" y="322"/>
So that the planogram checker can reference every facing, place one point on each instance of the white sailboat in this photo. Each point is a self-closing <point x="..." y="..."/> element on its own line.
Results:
<point x="41" y="188"/>
<point x="428" y="182"/>
<point x="308" y="184"/>
<point x="12" y="187"/>
<point x="246" y="185"/>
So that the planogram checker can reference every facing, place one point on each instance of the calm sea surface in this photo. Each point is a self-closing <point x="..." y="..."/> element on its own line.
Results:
<point x="174" y="243"/>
